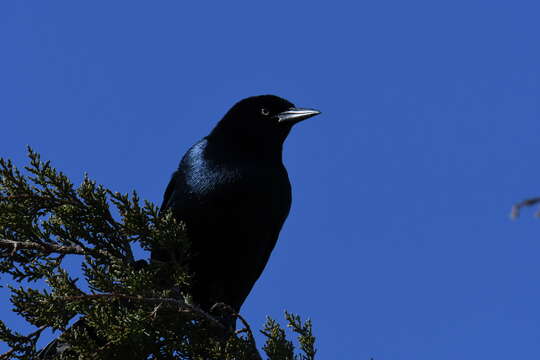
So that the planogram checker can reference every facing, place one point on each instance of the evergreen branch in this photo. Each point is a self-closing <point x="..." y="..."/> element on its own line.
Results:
<point x="29" y="337"/>
<point x="44" y="217"/>
<point x="246" y="329"/>
<point x="305" y="336"/>
<point x="159" y="301"/>
<point x="49" y="248"/>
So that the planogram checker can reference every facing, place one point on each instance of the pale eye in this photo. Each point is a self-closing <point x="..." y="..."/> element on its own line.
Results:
<point x="265" y="112"/>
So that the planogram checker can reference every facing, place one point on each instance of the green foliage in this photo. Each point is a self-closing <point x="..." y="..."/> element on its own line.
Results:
<point x="131" y="309"/>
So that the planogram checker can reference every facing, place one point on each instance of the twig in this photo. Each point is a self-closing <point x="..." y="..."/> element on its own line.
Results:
<point x="54" y="201"/>
<point x="246" y="329"/>
<point x="15" y="247"/>
<point x="48" y="248"/>
<point x="15" y="197"/>
<point x="7" y="354"/>
<point x="529" y="202"/>
<point x="75" y="201"/>
<point x="159" y="301"/>
<point x="154" y="312"/>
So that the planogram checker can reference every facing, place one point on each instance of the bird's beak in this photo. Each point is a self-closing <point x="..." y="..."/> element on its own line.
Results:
<point x="295" y="115"/>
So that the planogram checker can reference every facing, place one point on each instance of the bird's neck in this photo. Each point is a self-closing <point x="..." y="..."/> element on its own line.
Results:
<point x="248" y="149"/>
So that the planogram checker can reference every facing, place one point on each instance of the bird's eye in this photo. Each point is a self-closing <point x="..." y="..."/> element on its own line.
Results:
<point x="265" y="111"/>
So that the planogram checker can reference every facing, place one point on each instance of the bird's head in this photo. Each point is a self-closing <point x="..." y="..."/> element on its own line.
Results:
<point x="265" y="119"/>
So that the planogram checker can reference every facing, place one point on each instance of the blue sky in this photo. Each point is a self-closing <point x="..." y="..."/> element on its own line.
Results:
<point x="399" y="244"/>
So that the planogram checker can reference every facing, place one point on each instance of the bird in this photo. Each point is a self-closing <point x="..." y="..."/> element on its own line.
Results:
<point x="232" y="192"/>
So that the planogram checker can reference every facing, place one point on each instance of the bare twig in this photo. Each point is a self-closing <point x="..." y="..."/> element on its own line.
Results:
<point x="15" y="247"/>
<point x="154" y="312"/>
<point x="525" y="203"/>
<point x="246" y="329"/>
<point x="49" y="248"/>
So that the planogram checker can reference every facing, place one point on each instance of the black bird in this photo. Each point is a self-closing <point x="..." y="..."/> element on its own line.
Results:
<point x="233" y="193"/>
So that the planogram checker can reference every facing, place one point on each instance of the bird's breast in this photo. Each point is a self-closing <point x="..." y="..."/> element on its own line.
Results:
<point x="230" y="189"/>
<point x="221" y="186"/>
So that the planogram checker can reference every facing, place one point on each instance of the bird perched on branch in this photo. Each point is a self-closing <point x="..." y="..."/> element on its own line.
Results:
<point x="233" y="193"/>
